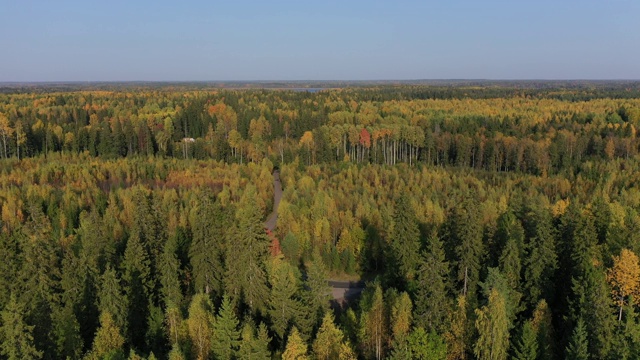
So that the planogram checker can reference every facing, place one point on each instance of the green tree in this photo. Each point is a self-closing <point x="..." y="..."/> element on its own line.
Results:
<point x="541" y="260"/>
<point x="207" y="246"/>
<point x="465" y="233"/>
<point x="226" y="337"/>
<point x="113" y="300"/>
<point x="405" y="243"/>
<point x="254" y="347"/>
<point x="578" y="348"/>
<point x="431" y="301"/>
<point x="316" y="292"/>
<point x="16" y="335"/>
<point x="249" y="247"/>
<point x="283" y="306"/>
<point x="526" y="346"/>
<point x="138" y="287"/>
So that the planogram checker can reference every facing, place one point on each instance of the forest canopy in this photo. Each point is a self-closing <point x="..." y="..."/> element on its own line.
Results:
<point x="487" y="220"/>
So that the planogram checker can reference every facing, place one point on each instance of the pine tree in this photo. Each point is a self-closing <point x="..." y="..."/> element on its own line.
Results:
<point x="510" y="264"/>
<point x="405" y="244"/>
<point x="578" y="348"/>
<point x="431" y="301"/>
<point x="526" y="346"/>
<point x="170" y="275"/>
<point x="226" y="337"/>
<point x="16" y="335"/>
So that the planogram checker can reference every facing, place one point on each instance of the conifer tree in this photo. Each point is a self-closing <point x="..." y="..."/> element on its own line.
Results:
<point x="541" y="260"/>
<point x="207" y="246"/>
<point x="296" y="348"/>
<point x="249" y="247"/>
<point x="254" y="347"/>
<point x="113" y="300"/>
<point x="405" y="243"/>
<point x="328" y="340"/>
<point x="578" y="348"/>
<point x="431" y="301"/>
<point x="526" y="346"/>
<point x="16" y="336"/>
<point x="283" y="307"/>
<point x="109" y="341"/>
<point x="465" y="233"/>
<point x="316" y="292"/>
<point x="226" y="337"/>
<point x="138" y="287"/>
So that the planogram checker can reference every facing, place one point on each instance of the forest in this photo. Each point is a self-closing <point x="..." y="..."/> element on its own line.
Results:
<point x="487" y="221"/>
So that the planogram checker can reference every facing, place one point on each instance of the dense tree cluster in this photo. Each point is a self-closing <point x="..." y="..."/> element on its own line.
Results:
<point x="487" y="223"/>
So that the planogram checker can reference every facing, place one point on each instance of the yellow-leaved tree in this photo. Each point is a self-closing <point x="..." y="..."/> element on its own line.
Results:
<point x="624" y="278"/>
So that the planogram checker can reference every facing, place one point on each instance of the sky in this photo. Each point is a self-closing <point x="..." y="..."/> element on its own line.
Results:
<point x="167" y="40"/>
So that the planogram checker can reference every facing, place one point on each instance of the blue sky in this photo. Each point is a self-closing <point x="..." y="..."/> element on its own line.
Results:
<point x="324" y="40"/>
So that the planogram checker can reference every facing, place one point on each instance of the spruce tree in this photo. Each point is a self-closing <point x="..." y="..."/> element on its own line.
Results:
<point x="578" y="348"/>
<point x="431" y="301"/>
<point x="405" y="241"/>
<point x="254" y="347"/>
<point x="526" y="346"/>
<point x="138" y="287"/>
<point x="248" y="245"/>
<point x="283" y="306"/>
<point x="207" y="246"/>
<point x="226" y="337"/>
<point x="16" y="336"/>
<point x="112" y="299"/>
<point x="541" y="260"/>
